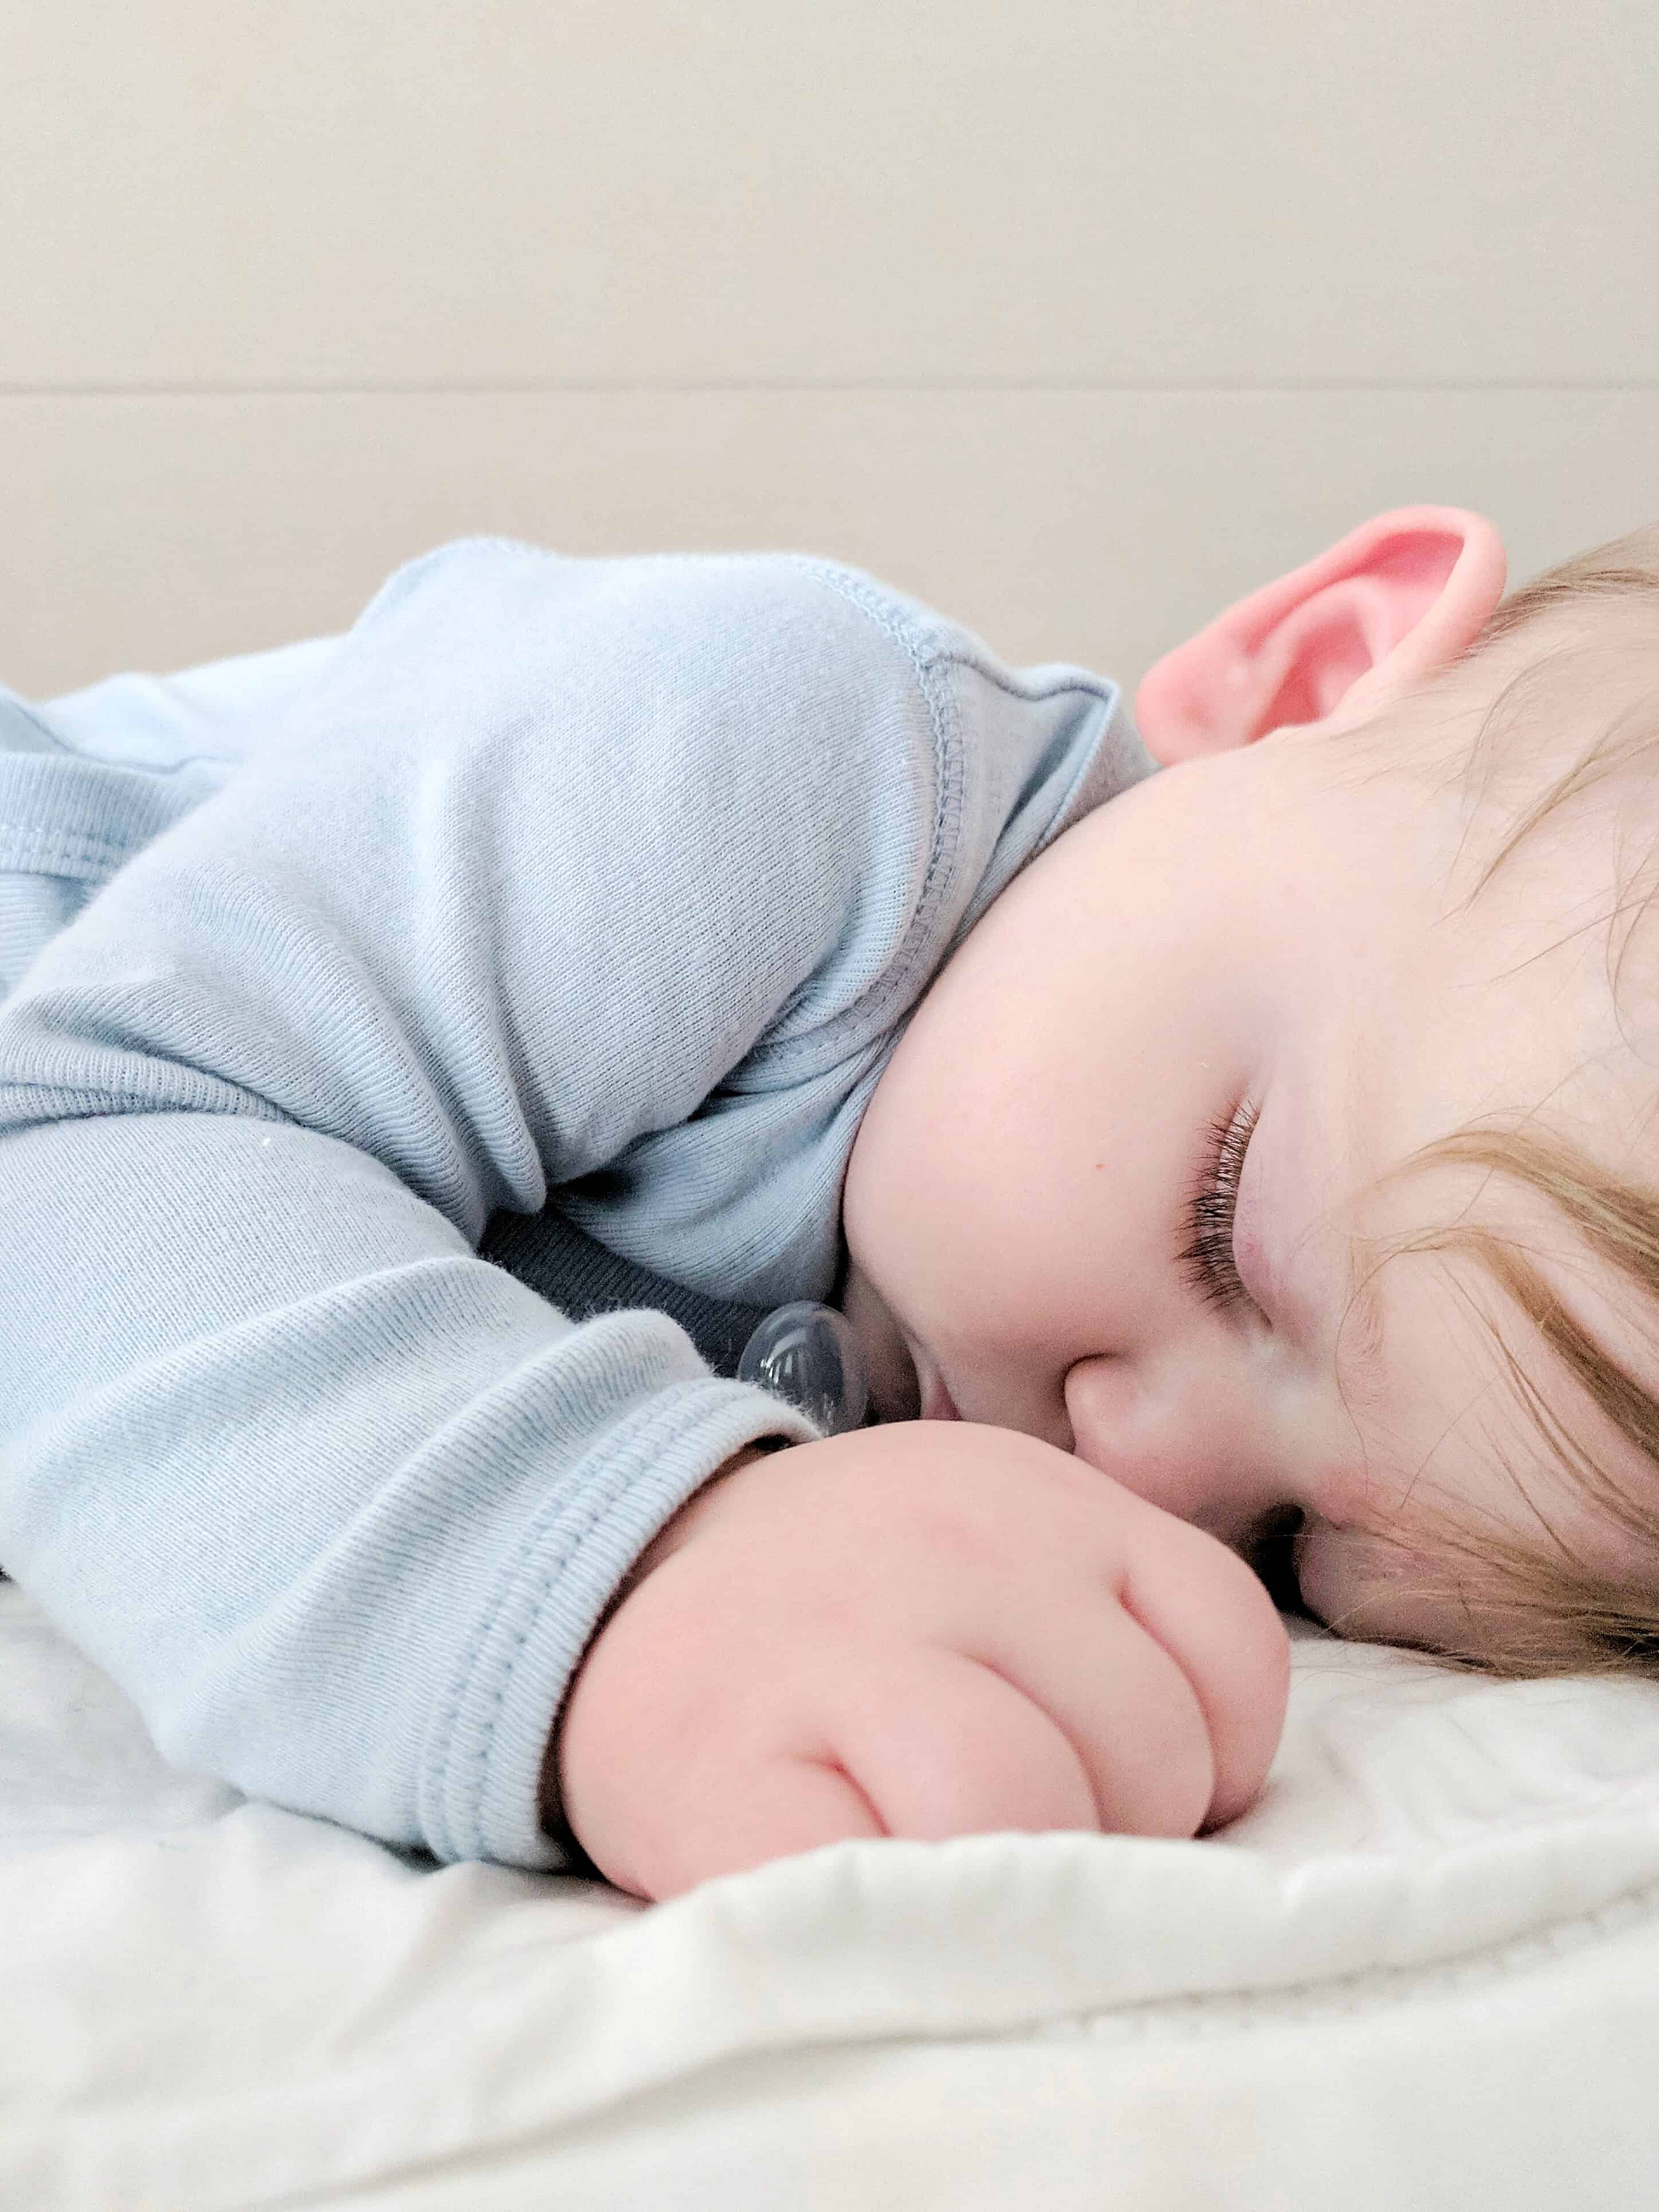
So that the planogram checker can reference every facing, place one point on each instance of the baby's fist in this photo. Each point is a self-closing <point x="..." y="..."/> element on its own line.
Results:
<point x="928" y="1629"/>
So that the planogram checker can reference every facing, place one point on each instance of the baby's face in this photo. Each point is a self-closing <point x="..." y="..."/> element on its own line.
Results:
<point x="1247" y="970"/>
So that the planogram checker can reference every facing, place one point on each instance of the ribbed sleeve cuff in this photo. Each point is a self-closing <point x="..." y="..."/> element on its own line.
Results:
<point x="478" y="1794"/>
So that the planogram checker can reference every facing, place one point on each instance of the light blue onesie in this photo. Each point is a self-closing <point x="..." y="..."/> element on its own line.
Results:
<point x="606" y="882"/>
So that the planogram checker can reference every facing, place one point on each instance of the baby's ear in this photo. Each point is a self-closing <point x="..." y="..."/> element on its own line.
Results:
<point x="1329" y="643"/>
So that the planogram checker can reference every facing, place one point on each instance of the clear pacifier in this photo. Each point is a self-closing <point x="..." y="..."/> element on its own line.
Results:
<point x="808" y="1355"/>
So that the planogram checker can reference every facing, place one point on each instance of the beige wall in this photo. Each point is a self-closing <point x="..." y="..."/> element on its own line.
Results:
<point x="1076" y="316"/>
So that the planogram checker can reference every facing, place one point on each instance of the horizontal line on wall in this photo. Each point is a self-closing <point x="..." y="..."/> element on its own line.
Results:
<point x="788" y="385"/>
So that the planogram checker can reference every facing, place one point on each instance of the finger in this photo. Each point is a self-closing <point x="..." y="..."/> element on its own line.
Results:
<point x="1132" y="1717"/>
<point x="770" y="1810"/>
<point x="1208" y="1610"/>
<point x="943" y="1746"/>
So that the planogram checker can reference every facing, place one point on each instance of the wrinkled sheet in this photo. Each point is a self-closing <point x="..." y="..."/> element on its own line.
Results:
<point x="1422" y="1973"/>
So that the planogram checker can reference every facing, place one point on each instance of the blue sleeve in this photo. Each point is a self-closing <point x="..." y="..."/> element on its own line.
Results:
<point x="522" y="873"/>
<point x="214" y="711"/>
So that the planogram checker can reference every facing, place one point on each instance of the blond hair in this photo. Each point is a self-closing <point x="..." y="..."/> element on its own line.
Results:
<point x="1540" y="1610"/>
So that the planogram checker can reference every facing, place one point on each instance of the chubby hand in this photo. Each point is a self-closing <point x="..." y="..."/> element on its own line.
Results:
<point x="926" y="1629"/>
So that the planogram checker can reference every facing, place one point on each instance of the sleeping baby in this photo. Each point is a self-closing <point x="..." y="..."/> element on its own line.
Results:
<point x="427" y="1053"/>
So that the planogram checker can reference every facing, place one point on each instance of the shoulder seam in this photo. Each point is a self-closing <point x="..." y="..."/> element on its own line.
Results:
<point x="948" y="772"/>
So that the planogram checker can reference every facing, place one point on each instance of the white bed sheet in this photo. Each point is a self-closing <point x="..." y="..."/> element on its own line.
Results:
<point x="1423" y="1973"/>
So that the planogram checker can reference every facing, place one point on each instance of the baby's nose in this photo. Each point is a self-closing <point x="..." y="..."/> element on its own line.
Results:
<point x="1181" y="1446"/>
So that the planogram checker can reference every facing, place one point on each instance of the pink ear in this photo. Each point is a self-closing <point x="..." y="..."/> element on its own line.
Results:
<point x="1403" y="594"/>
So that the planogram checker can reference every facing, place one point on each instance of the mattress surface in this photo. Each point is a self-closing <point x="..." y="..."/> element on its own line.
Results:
<point x="1423" y="1972"/>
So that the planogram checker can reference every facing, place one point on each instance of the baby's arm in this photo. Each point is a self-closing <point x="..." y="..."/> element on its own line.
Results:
<point x="927" y="1630"/>
<point x="337" y="1503"/>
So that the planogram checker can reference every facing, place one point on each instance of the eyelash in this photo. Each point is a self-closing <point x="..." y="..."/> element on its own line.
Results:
<point x="1211" y="1268"/>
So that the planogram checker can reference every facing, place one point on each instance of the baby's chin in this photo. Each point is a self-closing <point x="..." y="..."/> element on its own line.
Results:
<point x="894" y="1389"/>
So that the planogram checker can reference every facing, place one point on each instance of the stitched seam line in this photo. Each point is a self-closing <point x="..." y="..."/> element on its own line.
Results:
<point x="472" y="1766"/>
<point x="947" y="780"/>
<point x="82" y="844"/>
<point x="666" y="1423"/>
